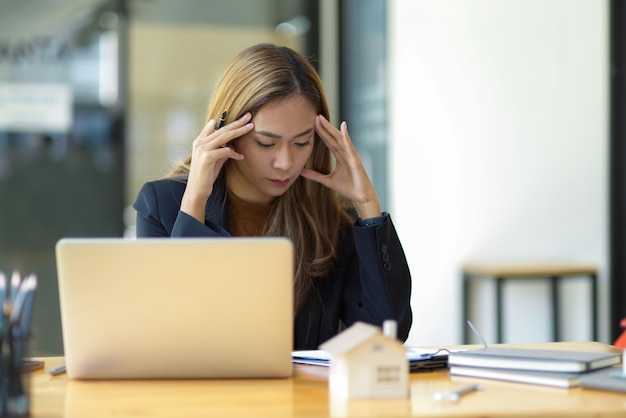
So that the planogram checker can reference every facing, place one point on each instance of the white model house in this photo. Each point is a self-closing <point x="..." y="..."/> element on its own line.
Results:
<point x="365" y="363"/>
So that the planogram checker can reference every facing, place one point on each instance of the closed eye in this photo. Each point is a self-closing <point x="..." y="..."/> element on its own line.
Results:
<point x="297" y="144"/>
<point x="264" y="145"/>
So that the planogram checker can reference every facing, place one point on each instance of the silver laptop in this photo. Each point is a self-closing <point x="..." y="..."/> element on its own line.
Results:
<point x="176" y="308"/>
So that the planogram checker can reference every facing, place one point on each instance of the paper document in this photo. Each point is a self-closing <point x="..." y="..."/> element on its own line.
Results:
<point x="419" y="358"/>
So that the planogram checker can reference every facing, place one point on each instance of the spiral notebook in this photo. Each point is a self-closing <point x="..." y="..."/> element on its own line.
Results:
<point x="176" y="308"/>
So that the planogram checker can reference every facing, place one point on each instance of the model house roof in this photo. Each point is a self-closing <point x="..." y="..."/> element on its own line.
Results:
<point x="351" y="338"/>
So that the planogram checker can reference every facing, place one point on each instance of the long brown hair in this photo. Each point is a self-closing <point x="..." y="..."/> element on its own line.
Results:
<point x="310" y="214"/>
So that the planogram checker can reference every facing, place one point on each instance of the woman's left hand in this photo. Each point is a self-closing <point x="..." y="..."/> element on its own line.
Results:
<point x="349" y="177"/>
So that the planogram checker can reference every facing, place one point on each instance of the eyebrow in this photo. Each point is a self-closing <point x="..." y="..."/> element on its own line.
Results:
<point x="276" y="136"/>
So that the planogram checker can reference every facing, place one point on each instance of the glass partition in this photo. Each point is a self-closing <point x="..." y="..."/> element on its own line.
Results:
<point x="61" y="154"/>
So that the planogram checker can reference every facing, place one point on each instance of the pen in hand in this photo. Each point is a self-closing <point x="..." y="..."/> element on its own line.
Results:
<point x="220" y="122"/>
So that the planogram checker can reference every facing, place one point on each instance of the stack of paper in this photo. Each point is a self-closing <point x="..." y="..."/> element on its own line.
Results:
<point x="419" y="359"/>
<point x="526" y="365"/>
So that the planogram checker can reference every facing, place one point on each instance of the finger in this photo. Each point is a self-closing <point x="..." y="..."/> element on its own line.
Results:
<point x="337" y="141"/>
<point x="205" y="134"/>
<point x="222" y="138"/>
<point x="326" y="127"/>
<point x="230" y="153"/>
<point x="245" y="118"/>
<point x="233" y="130"/>
<point x="208" y="128"/>
<point x="340" y="136"/>
<point x="218" y="154"/>
<point x="344" y="132"/>
<point x="326" y="131"/>
<point x="315" y="176"/>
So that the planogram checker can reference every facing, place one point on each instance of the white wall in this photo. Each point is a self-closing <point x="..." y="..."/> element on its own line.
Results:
<point x="499" y="150"/>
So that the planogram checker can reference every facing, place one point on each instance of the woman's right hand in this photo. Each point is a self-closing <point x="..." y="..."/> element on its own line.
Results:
<point x="209" y="153"/>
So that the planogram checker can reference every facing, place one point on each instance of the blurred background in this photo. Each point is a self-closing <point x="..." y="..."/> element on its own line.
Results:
<point x="487" y="126"/>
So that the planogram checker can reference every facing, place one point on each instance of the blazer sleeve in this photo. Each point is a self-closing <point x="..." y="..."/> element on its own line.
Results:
<point x="159" y="215"/>
<point x="378" y="286"/>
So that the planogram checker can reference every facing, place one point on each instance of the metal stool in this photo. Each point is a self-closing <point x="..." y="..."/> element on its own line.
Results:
<point x="554" y="273"/>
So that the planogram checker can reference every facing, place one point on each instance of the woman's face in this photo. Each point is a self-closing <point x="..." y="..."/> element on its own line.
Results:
<point x="275" y="151"/>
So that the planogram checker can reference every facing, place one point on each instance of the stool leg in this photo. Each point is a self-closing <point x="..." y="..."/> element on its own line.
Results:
<point x="554" y="291"/>
<point x="499" y="322"/>
<point x="594" y="306"/>
<point x="465" y="308"/>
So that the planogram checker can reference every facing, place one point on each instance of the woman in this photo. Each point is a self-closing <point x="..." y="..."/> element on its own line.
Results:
<point x="268" y="171"/>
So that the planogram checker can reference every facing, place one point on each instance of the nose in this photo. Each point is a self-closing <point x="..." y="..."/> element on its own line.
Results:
<point x="283" y="160"/>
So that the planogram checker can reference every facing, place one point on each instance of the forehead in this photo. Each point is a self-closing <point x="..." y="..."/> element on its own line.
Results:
<point x="292" y="111"/>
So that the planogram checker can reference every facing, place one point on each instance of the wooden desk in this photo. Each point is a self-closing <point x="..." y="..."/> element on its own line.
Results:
<point x="306" y="395"/>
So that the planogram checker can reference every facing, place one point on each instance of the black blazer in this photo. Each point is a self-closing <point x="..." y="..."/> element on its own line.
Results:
<point x="371" y="282"/>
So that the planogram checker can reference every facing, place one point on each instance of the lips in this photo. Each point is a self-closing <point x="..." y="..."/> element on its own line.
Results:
<point x="281" y="183"/>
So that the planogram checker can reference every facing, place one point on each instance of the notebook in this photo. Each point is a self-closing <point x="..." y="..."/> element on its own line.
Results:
<point x="556" y="379"/>
<point x="176" y="308"/>
<point x="533" y="359"/>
